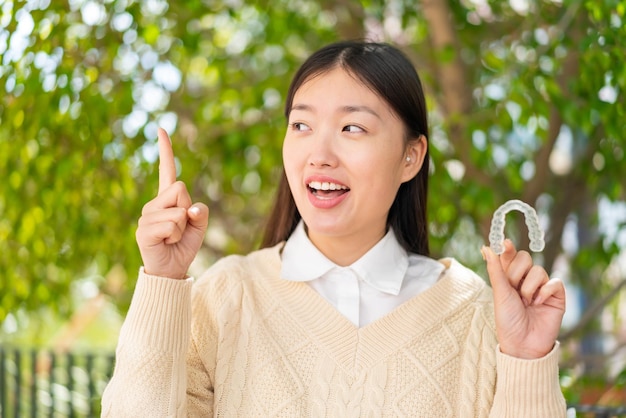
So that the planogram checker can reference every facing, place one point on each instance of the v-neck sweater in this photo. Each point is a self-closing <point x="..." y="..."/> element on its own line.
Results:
<point x="382" y="279"/>
<point x="243" y="342"/>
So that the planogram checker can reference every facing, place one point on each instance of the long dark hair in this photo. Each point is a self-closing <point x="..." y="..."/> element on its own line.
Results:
<point x="390" y="74"/>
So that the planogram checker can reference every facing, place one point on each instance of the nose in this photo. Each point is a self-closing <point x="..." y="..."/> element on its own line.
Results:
<point x="322" y="152"/>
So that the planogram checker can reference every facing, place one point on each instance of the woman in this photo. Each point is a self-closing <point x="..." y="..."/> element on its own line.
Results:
<point x="342" y="313"/>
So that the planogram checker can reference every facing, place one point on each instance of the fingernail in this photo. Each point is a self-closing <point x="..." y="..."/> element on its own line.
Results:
<point x="538" y="300"/>
<point x="483" y="251"/>
<point x="194" y="210"/>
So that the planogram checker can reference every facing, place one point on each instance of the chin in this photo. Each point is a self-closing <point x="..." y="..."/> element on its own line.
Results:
<point x="323" y="226"/>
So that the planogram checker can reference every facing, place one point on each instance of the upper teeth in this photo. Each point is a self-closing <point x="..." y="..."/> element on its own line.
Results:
<point x="318" y="185"/>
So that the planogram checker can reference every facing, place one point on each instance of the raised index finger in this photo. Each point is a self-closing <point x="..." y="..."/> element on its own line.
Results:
<point x="167" y="166"/>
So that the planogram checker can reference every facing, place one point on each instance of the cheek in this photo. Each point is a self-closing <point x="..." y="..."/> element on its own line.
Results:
<point x="290" y="161"/>
<point x="386" y="177"/>
<point x="290" y="149"/>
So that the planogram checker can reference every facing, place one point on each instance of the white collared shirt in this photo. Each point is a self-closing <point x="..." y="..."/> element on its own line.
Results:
<point x="373" y="286"/>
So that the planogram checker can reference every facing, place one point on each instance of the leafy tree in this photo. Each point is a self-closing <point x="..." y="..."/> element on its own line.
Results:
<point x="85" y="86"/>
<point x="526" y="98"/>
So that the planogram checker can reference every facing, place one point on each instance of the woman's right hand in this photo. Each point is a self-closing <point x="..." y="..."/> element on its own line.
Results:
<point x="171" y="229"/>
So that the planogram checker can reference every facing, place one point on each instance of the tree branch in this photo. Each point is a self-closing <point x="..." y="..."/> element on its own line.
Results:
<point x="571" y="66"/>
<point x="350" y="18"/>
<point x="591" y="313"/>
<point x="455" y="94"/>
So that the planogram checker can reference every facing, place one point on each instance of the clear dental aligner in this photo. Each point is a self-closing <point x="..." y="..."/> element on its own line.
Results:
<point x="496" y="233"/>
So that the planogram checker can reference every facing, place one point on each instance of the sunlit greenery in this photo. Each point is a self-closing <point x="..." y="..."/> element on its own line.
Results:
<point x="526" y="99"/>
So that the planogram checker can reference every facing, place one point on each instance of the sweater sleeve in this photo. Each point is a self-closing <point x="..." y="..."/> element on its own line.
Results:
<point x="199" y="384"/>
<point x="528" y="388"/>
<point x="149" y="379"/>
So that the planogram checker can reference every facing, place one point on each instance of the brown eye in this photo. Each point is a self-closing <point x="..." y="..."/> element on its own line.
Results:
<point x="299" y="126"/>
<point x="352" y="129"/>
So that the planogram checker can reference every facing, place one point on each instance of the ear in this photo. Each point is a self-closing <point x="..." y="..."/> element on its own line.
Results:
<point x="414" y="155"/>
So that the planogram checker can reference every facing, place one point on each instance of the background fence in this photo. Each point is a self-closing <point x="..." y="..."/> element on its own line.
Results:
<point x="597" y="411"/>
<point x="44" y="383"/>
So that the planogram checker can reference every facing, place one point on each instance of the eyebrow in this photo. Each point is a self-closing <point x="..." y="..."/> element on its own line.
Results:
<point x="366" y="109"/>
<point x="343" y="109"/>
<point x="303" y="107"/>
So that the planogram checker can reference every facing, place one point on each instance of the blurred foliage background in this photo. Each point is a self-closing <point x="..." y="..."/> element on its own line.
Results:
<point x="526" y="100"/>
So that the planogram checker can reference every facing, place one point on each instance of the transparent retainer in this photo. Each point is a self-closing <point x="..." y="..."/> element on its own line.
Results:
<point x="496" y="233"/>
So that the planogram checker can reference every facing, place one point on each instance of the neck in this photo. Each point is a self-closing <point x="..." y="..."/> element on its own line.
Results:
<point x="345" y="250"/>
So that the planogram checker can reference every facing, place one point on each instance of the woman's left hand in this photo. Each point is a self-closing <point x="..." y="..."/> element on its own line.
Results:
<point x="529" y="306"/>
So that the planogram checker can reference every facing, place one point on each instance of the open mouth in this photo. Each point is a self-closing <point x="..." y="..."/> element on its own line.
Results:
<point x="327" y="190"/>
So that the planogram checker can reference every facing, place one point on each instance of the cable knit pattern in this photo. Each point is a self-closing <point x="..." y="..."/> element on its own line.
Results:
<point x="320" y="387"/>
<point x="469" y="372"/>
<point x="378" y="381"/>
<point x="487" y="373"/>
<point x="262" y="346"/>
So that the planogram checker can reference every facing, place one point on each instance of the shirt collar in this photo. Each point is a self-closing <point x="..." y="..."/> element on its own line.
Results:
<point x="382" y="267"/>
<point x="301" y="260"/>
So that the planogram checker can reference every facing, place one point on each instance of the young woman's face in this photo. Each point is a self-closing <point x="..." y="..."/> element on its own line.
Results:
<point x="345" y="157"/>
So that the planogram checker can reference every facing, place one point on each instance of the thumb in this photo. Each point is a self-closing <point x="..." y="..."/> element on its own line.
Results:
<point x="198" y="216"/>
<point x="498" y="278"/>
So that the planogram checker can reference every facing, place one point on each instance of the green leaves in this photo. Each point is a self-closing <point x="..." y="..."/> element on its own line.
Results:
<point x="542" y="115"/>
<point x="79" y="108"/>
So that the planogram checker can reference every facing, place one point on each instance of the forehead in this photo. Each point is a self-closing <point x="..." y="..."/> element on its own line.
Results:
<point x="337" y="78"/>
<point x="338" y="89"/>
<point x="336" y="82"/>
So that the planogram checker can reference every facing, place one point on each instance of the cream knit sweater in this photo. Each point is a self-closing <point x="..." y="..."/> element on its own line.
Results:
<point x="244" y="343"/>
